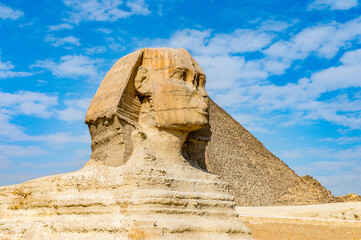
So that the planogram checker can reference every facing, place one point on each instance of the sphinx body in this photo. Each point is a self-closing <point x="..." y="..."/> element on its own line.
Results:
<point x="137" y="184"/>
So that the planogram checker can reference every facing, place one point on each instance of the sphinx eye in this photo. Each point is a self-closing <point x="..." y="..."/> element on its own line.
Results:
<point x="179" y="73"/>
<point x="201" y="80"/>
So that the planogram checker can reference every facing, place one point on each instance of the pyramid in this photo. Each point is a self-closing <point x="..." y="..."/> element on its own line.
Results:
<point x="256" y="177"/>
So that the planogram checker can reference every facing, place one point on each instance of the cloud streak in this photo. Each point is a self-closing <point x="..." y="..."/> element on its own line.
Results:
<point x="333" y="4"/>
<point x="104" y="10"/>
<point x="44" y="106"/>
<point x="71" y="66"/>
<point x="27" y="103"/>
<point x="76" y="109"/>
<point x="61" y="26"/>
<point x="6" y="71"/>
<point x="7" y="12"/>
<point x="56" y="41"/>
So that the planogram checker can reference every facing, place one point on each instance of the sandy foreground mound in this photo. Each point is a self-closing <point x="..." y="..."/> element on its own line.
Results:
<point x="334" y="221"/>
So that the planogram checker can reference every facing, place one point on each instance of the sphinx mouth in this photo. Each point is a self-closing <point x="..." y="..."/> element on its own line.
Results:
<point x="200" y="110"/>
<point x="204" y="113"/>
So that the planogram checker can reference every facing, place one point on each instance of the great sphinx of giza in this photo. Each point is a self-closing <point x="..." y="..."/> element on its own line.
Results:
<point x="137" y="184"/>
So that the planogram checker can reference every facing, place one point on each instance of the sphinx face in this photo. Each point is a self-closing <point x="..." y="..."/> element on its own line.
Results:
<point x="174" y="87"/>
<point x="179" y="98"/>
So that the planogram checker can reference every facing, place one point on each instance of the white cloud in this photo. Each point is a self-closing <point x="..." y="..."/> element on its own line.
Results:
<point x="352" y="57"/>
<point x="303" y="153"/>
<point x="61" y="26"/>
<point x="95" y="50"/>
<point x="6" y="65"/>
<point x="73" y="164"/>
<point x="40" y="105"/>
<point x="335" y="165"/>
<point x="302" y="98"/>
<point x="6" y="70"/>
<point x="71" y="114"/>
<point x="76" y="109"/>
<point x="274" y="26"/>
<point x="61" y="138"/>
<point x="203" y="43"/>
<point x="23" y="103"/>
<point x="342" y="140"/>
<point x="12" y="74"/>
<point x="54" y="41"/>
<point x="138" y="7"/>
<point x="10" y="131"/>
<point x="240" y="41"/>
<point x="105" y="10"/>
<point x="115" y="45"/>
<point x="187" y="38"/>
<point x="44" y="106"/>
<point x="333" y="4"/>
<point x="323" y="41"/>
<point x="13" y="178"/>
<point x="9" y="13"/>
<point x="71" y="66"/>
<point x="20" y="151"/>
<point x="4" y="162"/>
<point x="351" y="153"/>
<point x="223" y="72"/>
<point x="27" y="103"/>
<point x="252" y="123"/>
<point x="292" y="154"/>
<point x="41" y="82"/>
<point x="334" y="159"/>
<point x="105" y="30"/>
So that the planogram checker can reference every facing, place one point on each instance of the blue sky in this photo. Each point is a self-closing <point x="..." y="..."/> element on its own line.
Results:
<point x="289" y="71"/>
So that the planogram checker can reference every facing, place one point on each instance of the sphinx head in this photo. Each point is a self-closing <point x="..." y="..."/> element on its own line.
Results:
<point x="160" y="88"/>
<point x="171" y="86"/>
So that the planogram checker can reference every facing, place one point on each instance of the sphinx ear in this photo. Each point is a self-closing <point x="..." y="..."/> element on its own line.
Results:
<point x="141" y="82"/>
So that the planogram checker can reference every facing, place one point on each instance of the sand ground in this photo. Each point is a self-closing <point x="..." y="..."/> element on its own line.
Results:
<point x="334" y="221"/>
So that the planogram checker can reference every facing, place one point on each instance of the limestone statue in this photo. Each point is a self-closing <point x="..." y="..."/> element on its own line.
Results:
<point x="137" y="184"/>
<point x="149" y="89"/>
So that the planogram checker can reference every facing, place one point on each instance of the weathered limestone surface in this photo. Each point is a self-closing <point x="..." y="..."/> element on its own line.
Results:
<point x="137" y="184"/>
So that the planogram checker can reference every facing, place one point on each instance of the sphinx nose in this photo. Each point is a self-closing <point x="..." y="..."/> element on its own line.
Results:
<point x="203" y="100"/>
<point x="202" y="92"/>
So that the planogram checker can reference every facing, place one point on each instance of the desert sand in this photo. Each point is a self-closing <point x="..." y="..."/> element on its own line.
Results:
<point x="333" y="221"/>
